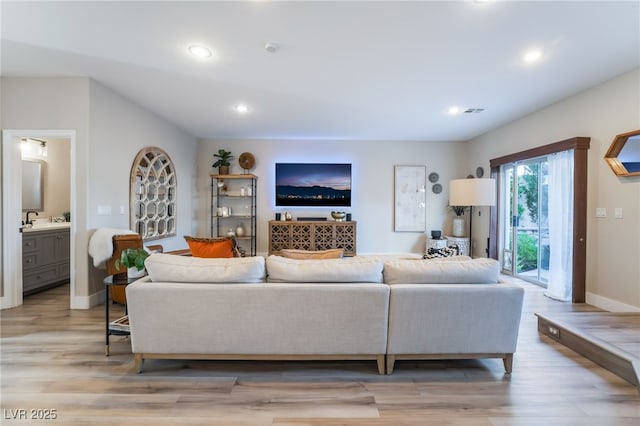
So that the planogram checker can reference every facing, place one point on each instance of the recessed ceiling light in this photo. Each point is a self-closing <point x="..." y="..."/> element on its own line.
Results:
<point x="242" y="108"/>
<point x="532" y="56"/>
<point x="271" y="47"/>
<point x="453" y="110"/>
<point x="199" y="51"/>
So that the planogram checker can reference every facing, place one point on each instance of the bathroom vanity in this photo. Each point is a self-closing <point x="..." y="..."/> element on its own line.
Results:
<point x="45" y="257"/>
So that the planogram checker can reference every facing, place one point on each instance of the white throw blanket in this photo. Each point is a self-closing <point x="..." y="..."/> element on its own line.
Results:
<point x="101" y="245"/>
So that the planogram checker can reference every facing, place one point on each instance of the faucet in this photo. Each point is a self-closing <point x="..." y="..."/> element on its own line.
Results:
<point x="27" y="221"/>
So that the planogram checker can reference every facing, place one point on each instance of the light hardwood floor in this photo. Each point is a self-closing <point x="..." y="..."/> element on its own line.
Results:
<point x="53" y="358"/>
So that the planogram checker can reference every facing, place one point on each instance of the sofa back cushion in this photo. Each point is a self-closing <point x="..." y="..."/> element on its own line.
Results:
<point x="184" y="269"/>
<point x="347" y="270"/>
<point x="472" y="271"/>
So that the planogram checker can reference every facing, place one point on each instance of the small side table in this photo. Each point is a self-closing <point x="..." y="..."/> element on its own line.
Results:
<point x="109" y="329"/>
<point x="436" y="244"/>
<point x="461" y="242"/>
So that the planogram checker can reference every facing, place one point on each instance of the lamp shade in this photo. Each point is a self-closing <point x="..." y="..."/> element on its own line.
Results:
<point x="472" y="192"/>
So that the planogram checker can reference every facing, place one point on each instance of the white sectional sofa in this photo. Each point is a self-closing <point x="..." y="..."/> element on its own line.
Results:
<point x="278" y="308"/>
<point x="451" y="310"/>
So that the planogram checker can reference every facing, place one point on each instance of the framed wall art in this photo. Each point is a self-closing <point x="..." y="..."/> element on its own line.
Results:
<point x="410" y="198"/>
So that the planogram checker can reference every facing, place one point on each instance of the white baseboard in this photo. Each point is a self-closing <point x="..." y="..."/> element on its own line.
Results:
<point x="610" y="304"/>
<point x="88" y="302"/>
<point x="6" y="303"/>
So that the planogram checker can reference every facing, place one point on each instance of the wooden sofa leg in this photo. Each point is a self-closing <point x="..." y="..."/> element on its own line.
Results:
<point x="391" y="360"/>
<point x="508" y="363"/>
<point x="380" y="360"/>
<point x="138" y="363"/>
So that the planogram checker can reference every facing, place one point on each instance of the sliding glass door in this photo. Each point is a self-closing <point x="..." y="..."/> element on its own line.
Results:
<point x="524" y="220"/>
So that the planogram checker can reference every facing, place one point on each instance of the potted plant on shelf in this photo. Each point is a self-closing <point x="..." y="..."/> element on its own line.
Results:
<point x="458" y="221"/>
<point x="222" y="162"/>
<point x="133" y="259"/>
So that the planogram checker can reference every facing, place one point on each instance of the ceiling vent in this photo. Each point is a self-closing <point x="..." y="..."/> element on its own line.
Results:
<point x="473" y="110"/>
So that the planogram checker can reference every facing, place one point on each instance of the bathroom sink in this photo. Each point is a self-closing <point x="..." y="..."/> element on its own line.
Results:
<point x="45" y="226"/>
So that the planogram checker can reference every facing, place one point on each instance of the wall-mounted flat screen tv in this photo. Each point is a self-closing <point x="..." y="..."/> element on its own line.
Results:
<point x="313" y="184"/>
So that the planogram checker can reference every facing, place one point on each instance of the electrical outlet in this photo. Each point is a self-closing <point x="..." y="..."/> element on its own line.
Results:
<point x="601" y="212"/>
<point x="123" y="210"/>
<point x="617" y="213"/>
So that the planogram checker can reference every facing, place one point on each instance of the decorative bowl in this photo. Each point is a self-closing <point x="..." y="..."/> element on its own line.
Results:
<point x="338" y="216"/>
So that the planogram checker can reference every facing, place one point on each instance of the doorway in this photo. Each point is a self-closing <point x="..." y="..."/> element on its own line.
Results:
<point x="46" y="213"/>
<point x="578" y="232"/>
<point x="12" y="210"/>
<point x="525" y="220"/>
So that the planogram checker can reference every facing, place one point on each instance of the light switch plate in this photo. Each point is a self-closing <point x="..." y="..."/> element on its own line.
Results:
<point x="601" y="212"/>
<point x="104" y="210"/>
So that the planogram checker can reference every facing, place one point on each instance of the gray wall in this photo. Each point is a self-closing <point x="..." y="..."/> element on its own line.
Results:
<point x="613" y="245"/>
<point x="110" y="131"/>
<point x="372" y="184"/>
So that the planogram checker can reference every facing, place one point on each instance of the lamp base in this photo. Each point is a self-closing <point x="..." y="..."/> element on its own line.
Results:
<point x="458" y="227"/>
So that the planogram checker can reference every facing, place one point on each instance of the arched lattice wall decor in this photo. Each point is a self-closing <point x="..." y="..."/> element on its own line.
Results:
<point x="153" y="194"/>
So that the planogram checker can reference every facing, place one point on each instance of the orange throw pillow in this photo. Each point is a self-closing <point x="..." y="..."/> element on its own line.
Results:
<point x="212" y="247"/>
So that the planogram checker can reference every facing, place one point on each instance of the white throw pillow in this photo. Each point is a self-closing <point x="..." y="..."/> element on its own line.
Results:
<point x="346" y="270"/>
<point x="185" y="269"/>
<point x="473" y="271"/>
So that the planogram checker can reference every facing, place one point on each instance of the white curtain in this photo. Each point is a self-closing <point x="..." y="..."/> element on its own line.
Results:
<point x="560" y="226"/>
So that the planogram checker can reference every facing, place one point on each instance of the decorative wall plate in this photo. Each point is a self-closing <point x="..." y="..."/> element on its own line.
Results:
<point x="433" y="177"/>
<point x="246" y="160"/>
<point x="479" y="172"/>
<point x="436" y="188"/>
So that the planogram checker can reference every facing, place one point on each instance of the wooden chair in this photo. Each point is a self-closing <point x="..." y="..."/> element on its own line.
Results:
<point x="120" y="243"/>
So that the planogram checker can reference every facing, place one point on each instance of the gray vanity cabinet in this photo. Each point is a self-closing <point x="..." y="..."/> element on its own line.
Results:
<point x="45" y="259"/>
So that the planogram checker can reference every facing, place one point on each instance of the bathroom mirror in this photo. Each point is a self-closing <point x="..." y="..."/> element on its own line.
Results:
<point x="623" y="155"/>
<point x="153" y="194"/>
<point x="32" y="187"/>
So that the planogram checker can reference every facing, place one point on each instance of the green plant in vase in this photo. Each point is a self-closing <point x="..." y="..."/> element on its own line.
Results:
<point x="458" y="222"/>
<point x="222" y="162"/>
<point x="132" y="258"/>
<point x="458" y="210"/>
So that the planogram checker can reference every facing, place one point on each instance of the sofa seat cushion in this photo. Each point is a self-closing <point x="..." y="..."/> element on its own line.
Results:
<point x="472" y="271"/>
<point x="182" y="269"/>
<point x="346" y="270"/>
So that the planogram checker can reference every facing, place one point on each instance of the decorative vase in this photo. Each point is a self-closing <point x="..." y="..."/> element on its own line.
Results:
<point x="134" y="273"/>
<point x="458" y="227"/>
<point x="240" y="230"/>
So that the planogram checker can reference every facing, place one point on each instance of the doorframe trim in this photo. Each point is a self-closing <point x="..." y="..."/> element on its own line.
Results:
<point x="580" y="145"/>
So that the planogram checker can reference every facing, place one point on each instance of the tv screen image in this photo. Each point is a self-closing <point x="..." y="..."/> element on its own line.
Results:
<point x="313" y="184"/>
